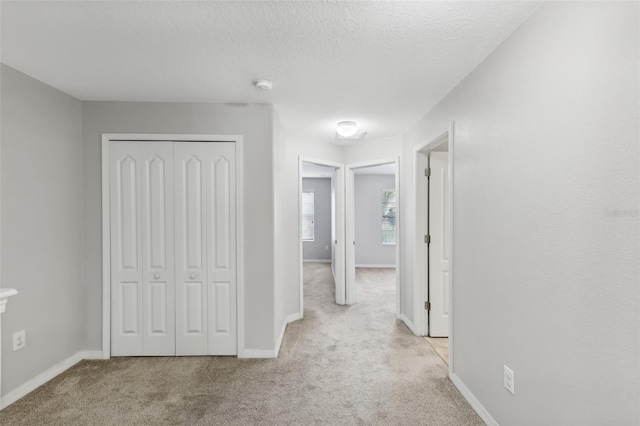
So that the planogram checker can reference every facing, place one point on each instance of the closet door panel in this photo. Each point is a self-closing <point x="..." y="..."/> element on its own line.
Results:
<point x="141" y="210"/>
<point x="221" y="239"/>
<point x="205" y="247"/>
<point x="190" y="251"/>
<point x="126" y="252"/>
<point x="158" y="253"/>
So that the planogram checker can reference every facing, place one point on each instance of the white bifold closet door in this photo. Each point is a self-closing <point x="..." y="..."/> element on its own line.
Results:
<point x="205" y="248"/>
<point x="173" y="264"/>
<point x="142" y="272"/>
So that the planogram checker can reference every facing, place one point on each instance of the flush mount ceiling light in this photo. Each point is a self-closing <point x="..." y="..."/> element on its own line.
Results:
<point x="347" y="128"/>
<point x="264" y="85"/>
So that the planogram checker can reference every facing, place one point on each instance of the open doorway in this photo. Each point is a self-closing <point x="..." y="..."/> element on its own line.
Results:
<point x="321" y="193"/>
<point x="433" y="245"/>
<point x="372" y="207"/>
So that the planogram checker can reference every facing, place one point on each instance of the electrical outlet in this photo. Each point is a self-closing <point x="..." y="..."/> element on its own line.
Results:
<point x="326" y="248"/>
<point x="19" y="340"/>
<point x="509" y="380"/>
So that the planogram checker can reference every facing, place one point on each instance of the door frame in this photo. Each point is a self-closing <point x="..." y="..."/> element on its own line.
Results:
<point x="420" y="156"/>
<point x="106" y="221"/>
<point x="339" y="273"/>
<point x="350" y="261"/>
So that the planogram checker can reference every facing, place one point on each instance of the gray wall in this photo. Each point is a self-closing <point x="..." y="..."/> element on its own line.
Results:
<point x="545" y="277"/>
<point x="41" y="226"/>
<point x="287" y="153"/>
<point x="315" y="250"/>
<point x="286" y="267"/>
<point x="255" y="123"/>
<point x="368" y="214"/>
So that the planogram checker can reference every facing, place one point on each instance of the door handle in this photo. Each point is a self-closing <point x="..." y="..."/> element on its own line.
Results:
<point x="156" y="276"/>
<point x="192" y="276"/>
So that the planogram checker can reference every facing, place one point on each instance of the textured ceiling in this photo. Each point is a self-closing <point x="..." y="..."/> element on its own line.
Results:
<point x="382" y="64"/>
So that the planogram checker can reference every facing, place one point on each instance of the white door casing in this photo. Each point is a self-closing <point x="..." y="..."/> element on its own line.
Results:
<point x="142" y="273"/>
<point x="438" y="229"/>
<point x="351" y="243"/>
<point x="338" y="228"/>
<point x="205" y="248"/>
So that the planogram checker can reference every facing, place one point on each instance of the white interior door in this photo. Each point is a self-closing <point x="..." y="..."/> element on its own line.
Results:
<point x="339" y="241"/>
<point x="205" y="247"/>
<point x="350" y="244"/>
<point x="142" y="275"/>
<point x="438" y="225"/>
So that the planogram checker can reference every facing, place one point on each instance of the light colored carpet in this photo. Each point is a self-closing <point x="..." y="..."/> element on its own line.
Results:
<point x="339" y="365"/>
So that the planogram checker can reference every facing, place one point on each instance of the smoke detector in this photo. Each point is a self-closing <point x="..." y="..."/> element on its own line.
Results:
<point x="264" y="85"/>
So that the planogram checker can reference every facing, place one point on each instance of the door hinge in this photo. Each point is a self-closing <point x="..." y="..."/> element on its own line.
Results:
<point x="427" y="172"/>
<point x="427" y="239"/>
<point x="427" y="305"/>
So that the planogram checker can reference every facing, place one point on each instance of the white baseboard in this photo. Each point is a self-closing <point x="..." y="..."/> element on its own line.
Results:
<point x="316" y="260"/>
<point x="287" y="320"/>
<point x="267" y="353"/>
<point x="41" y="379"/>
<point x="472" y="400"/>
<point x="257" y="353"/>
<point x="409" y="324"/>
<point x="368" y="265"/>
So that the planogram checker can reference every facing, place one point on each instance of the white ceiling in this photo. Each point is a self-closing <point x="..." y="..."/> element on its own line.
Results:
<point x="382" y="64"/>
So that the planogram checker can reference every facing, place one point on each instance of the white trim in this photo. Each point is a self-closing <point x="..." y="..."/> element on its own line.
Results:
<point x="240" y="243"/>
<point x="268" y="353"/>
<point x="280" y="337"/>
<point x="339" y="253"/>
<point x="106" y="251"/>
<point x="409" y="324"/>
<point x="367" y="265"/>
<point x="472" y="400"/>
<point x="293" y="317"/>
<point x="106" y="243"/>
<point x="316" y="260"/>
<point x="301" y="243"/>
<point x="419" y="248"/>
<point x="47" y="375"/>
<point x="350" y="228"/>
<point x="259" y="353"/>
<point x="451" y="242"/>
<point x="289" y="319"/>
